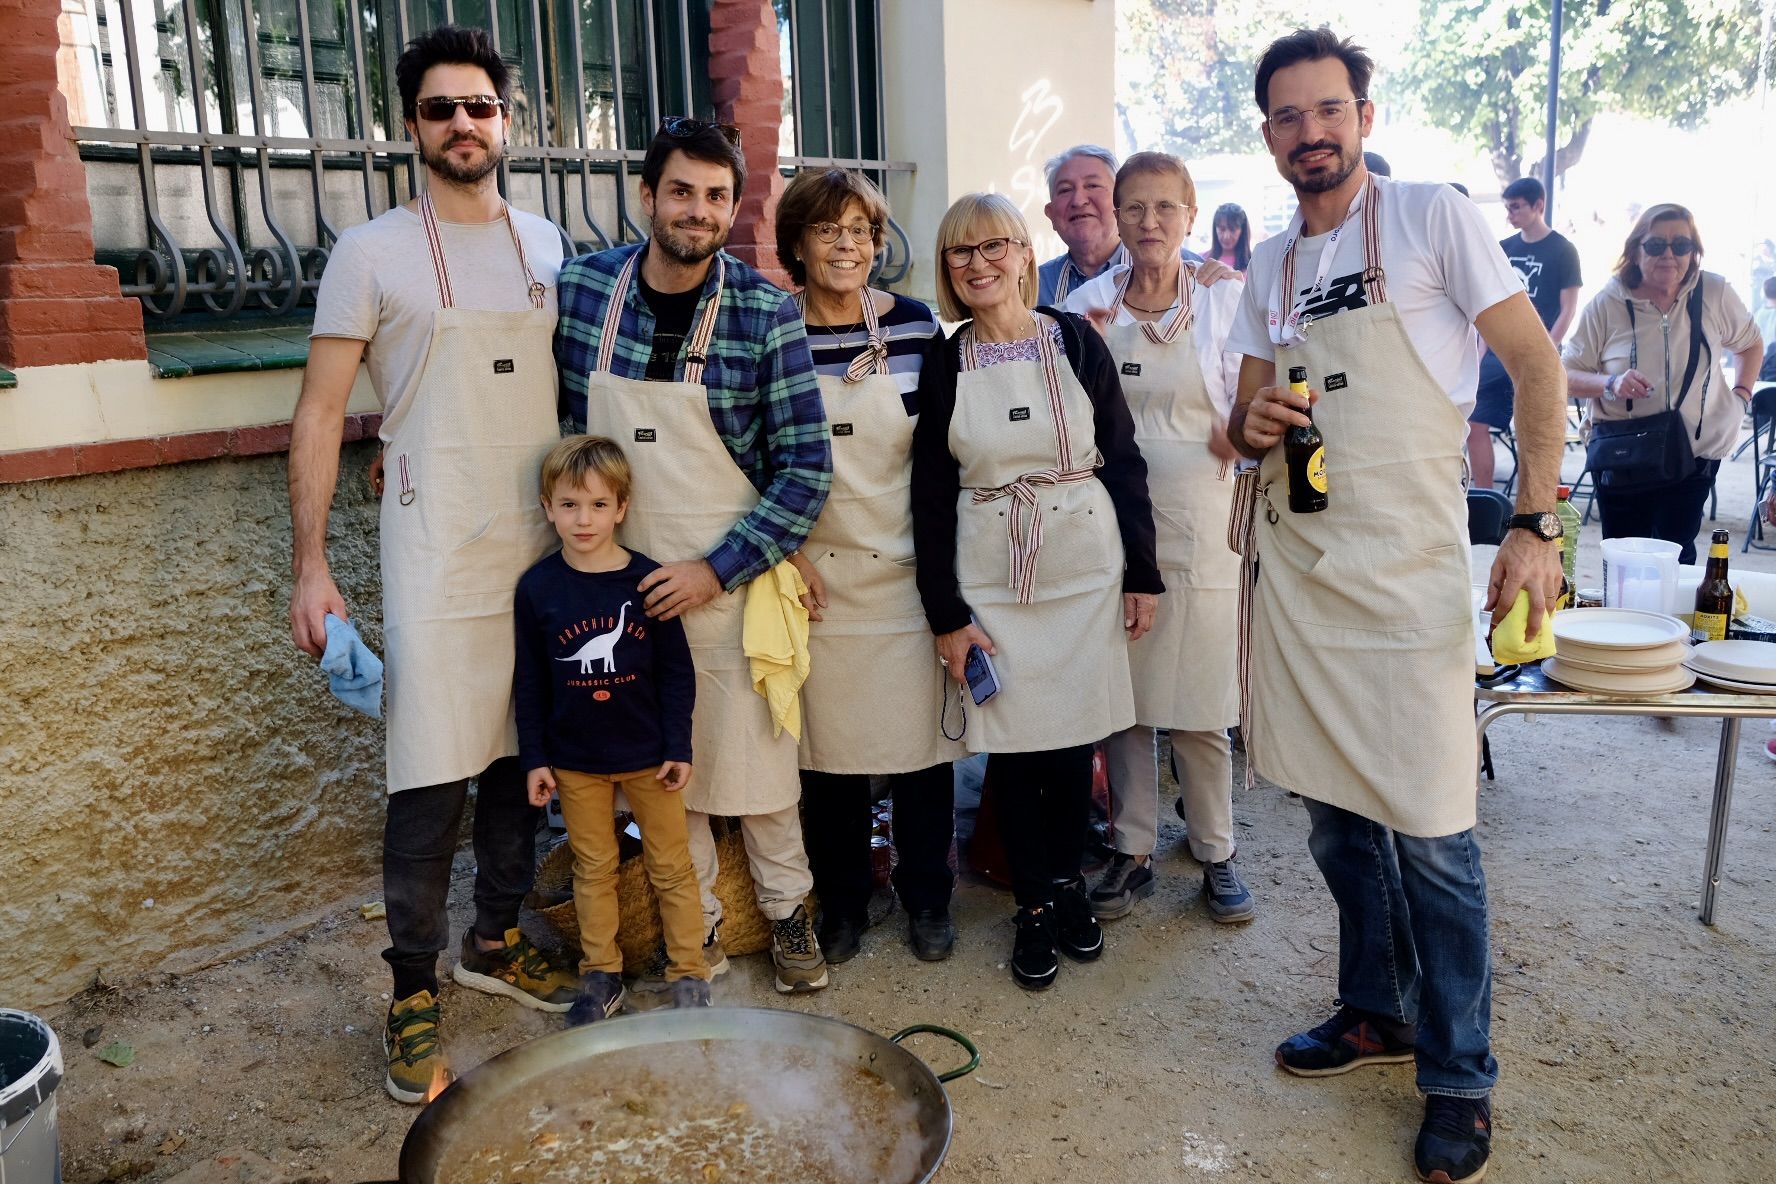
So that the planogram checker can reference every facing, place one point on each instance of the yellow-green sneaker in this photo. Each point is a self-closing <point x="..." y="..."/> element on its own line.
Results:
<point x="416" y="1065"/>
<point x="518" y="970"/>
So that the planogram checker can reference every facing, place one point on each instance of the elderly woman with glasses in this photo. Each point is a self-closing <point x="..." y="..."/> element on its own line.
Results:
<point x="1652" y="341"/>
<point x="1034" y="536"/>
<point x="1167" y="331"/>
<point x="874" y="692"/>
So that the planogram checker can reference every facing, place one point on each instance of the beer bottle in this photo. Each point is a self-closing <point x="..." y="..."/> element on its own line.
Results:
<point x="1304" y="451"/>
<point x="1714" y="596"/>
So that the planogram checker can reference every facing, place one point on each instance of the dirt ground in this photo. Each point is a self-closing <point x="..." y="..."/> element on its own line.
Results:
<point x="1634" y="1043"/>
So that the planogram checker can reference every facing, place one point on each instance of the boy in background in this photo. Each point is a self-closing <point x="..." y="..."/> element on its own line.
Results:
<point x="603" y="697"/>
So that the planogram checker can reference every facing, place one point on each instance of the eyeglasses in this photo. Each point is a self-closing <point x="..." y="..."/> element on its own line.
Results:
<point x="440" y="110"/>
<point x="1680" y="246"/>
<point x="1135" y="213"/>
<point x="683" y="127"/>
<point x="1286" y="122"/>
<point x="991" y="250"/>
<point x="860" y="232"/>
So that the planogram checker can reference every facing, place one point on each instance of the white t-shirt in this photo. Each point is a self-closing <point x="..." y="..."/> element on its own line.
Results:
<point x="380" y="287"/>
<point x="1444" y="268"/>
<point x="1214" y="320"/>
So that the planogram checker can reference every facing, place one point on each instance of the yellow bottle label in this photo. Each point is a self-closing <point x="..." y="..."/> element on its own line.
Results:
<point x="1316" y="469"/>
<point x="1717" y="550"/>
<point x="1709" y="627"/>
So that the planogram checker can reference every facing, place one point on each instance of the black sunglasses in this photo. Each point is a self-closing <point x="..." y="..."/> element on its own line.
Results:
<point x="439" y="110"/>
<point x="1679" y="246"/>
<point x="683" y="127"/>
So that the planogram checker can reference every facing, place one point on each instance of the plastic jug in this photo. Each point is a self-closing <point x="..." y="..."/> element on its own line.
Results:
<point x="1640" y="573"/>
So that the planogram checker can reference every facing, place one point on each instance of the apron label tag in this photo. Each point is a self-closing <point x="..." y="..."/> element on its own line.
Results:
<point x="1019" y="414"/>
<point x="503" y="366"/>
<point x="841" y="429"/>
<point x="1335" y="382"/>
<point x="644" y="435"/>
<point x="1131" y="368"/>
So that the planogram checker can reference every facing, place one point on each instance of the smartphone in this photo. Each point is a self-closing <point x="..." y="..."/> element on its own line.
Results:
<point x="983" y="680"/>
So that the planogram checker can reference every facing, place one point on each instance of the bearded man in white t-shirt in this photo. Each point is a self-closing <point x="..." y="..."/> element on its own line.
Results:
<point x="1361" y="647"/>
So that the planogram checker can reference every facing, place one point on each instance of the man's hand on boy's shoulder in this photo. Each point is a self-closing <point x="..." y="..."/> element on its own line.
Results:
<point x="674" y="775"/>
<point x="540" y="783"/>
<point x="673" y="589"/>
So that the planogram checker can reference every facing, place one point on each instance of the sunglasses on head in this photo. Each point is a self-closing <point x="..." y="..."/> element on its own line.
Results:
<point x="683" y="127"/>
<point x="1679" y="246"/>
<point x="440" y="110"/>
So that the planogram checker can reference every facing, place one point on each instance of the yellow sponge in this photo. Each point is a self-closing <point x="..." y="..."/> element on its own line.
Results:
<point x="1508" y="644"/>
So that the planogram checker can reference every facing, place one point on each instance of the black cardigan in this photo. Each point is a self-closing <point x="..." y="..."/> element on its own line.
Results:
<point x="937" y="480"/>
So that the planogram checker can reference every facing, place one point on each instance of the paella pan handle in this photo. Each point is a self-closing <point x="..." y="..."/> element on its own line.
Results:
<point x="947" y="1034"/>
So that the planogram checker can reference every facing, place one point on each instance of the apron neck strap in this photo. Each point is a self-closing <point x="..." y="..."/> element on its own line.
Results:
<point x="1286" y="322"/>
<point x="696" y="346"/>
<point x="1049" y="356"/>
<point x="1165" y="331"/>
<point x="441" y="271"/>
<point x="874" y="357"/>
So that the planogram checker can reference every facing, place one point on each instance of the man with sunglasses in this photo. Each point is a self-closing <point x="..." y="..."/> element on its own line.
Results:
<point x="449" y="302"/>
<point x="1360" y="647"/>
<point x="699" y="367"/>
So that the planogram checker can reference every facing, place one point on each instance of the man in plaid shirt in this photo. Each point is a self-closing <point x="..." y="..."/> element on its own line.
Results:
<point x="656" y="344"/>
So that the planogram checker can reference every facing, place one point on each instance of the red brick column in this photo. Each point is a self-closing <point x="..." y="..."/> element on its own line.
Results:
<point x="747" y="73"/>
<point x="56" y="305"/>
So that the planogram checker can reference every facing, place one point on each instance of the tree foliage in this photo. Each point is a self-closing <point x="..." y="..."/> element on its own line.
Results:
<point x="1188" y="67"/>
<point x="1480" y="69"/>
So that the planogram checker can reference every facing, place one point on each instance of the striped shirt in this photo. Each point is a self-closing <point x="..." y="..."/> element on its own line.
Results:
<point x="764" y="399"/>
<point x="908" y="328"/>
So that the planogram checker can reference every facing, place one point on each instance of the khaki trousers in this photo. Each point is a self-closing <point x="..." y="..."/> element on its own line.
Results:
<point x="1205" y="780"/>
<point x="780" y="874"/>
<point x="588" y="807"/>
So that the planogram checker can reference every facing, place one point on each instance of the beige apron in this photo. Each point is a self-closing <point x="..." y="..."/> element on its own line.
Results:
<point x="1361" y="684"/>
<point x="1023" y="437"/>
<point x="688" y="493"/>
<point x="874" y="689"/>
<point x="460" y="524"/>
<point x="1185" y="669"/>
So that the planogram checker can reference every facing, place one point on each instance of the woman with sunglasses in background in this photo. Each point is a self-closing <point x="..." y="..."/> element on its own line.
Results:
<point x="1035" y="544"/>
<point x="1652" y="341"/>
<point x="874" y="691"/>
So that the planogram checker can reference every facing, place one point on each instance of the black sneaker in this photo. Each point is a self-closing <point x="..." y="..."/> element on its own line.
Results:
<point x="1349" y="1040"/>
<point x="601" y="996"/>
<point x="840" y="938"/>
<point x="1034" y="962"/>
<point x="1124" y="883"/>
<point x="1077" y="932"/>
<point x="932" y="933"/>
<point x="1455" y="1141"/>
<point x="689" y="992"/>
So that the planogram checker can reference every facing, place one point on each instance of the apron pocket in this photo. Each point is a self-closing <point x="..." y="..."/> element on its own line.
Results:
<point x="491" y="561"/>
<point x="1379" y="589"/>
<point x="867" y="587"/>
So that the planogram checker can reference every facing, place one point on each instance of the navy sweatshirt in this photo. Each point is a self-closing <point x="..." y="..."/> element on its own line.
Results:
<point x="599" y="687"/>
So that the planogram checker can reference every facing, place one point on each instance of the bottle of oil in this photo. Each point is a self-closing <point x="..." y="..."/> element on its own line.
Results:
<point x="1304" y="451"/>
<point x="1714" y="595"/>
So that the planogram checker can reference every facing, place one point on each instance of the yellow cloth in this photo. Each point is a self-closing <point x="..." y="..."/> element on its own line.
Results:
<point x="774" y="635"/>
<point x="1508" y="644"/>
<point x="1741" y="607"/>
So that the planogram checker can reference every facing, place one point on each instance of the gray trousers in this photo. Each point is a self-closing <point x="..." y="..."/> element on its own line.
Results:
<point x="1205" y="779"/>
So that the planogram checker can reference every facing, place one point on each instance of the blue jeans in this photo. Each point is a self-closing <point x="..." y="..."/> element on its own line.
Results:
<point x="1412" y="940"/>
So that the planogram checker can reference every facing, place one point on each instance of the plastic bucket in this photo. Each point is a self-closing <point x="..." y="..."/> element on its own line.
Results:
<point x="1640" y="573"/>
<point x="30" y="1070"/>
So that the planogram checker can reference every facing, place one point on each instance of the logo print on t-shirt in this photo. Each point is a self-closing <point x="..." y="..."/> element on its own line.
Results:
<point x="1529" y="271"/>
<point x="1344" y="294"/>
<point x="600" y="647"/>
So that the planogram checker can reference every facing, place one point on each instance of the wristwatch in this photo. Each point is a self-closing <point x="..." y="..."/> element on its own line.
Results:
<point x="1545" y="525"/>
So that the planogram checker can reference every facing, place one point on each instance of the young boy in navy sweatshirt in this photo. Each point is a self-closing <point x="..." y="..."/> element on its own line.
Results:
<point x="604" y="698"/>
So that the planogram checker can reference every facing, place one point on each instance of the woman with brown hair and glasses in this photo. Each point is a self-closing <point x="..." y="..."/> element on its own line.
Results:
<point x="1652" y="341"/>
<point x="1035" y="541"/>
<point x="869" y="648"/>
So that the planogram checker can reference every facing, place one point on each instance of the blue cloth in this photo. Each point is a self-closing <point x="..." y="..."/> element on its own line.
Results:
<point x="1412" y="943"/>
<point x="354" y="674"/>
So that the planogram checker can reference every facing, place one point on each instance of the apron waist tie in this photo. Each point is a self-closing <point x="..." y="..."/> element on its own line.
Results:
<point x="1026" y="537"/>
<point x="1248" y="591"/>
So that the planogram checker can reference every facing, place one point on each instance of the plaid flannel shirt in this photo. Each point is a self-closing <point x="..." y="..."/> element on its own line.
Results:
<point x="764" y="398"/>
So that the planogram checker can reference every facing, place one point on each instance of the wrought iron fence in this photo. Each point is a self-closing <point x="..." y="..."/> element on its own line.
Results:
<point x="228" y="142"/>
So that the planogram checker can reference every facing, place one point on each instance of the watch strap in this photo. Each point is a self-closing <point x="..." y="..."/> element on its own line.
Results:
<point x="1533" y="523"/>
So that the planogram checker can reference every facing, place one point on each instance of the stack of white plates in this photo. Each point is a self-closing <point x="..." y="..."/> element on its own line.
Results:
<point x="1621" y="651"/>
<point x="1748" y="666"/>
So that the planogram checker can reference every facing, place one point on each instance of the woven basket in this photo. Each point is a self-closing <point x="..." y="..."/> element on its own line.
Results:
<point x="744" y="929"/>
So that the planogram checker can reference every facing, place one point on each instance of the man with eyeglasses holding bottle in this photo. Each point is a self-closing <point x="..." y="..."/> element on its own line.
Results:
<point x="449" y="301"/>
<point x="699" y="367"/>
<point x="1360" y="644"/>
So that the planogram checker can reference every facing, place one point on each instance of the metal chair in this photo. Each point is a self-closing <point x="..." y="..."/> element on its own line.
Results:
<point x="1488" y="512"/>
<point x="1763" y="462"/>
<point x="1507" y="439"/>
